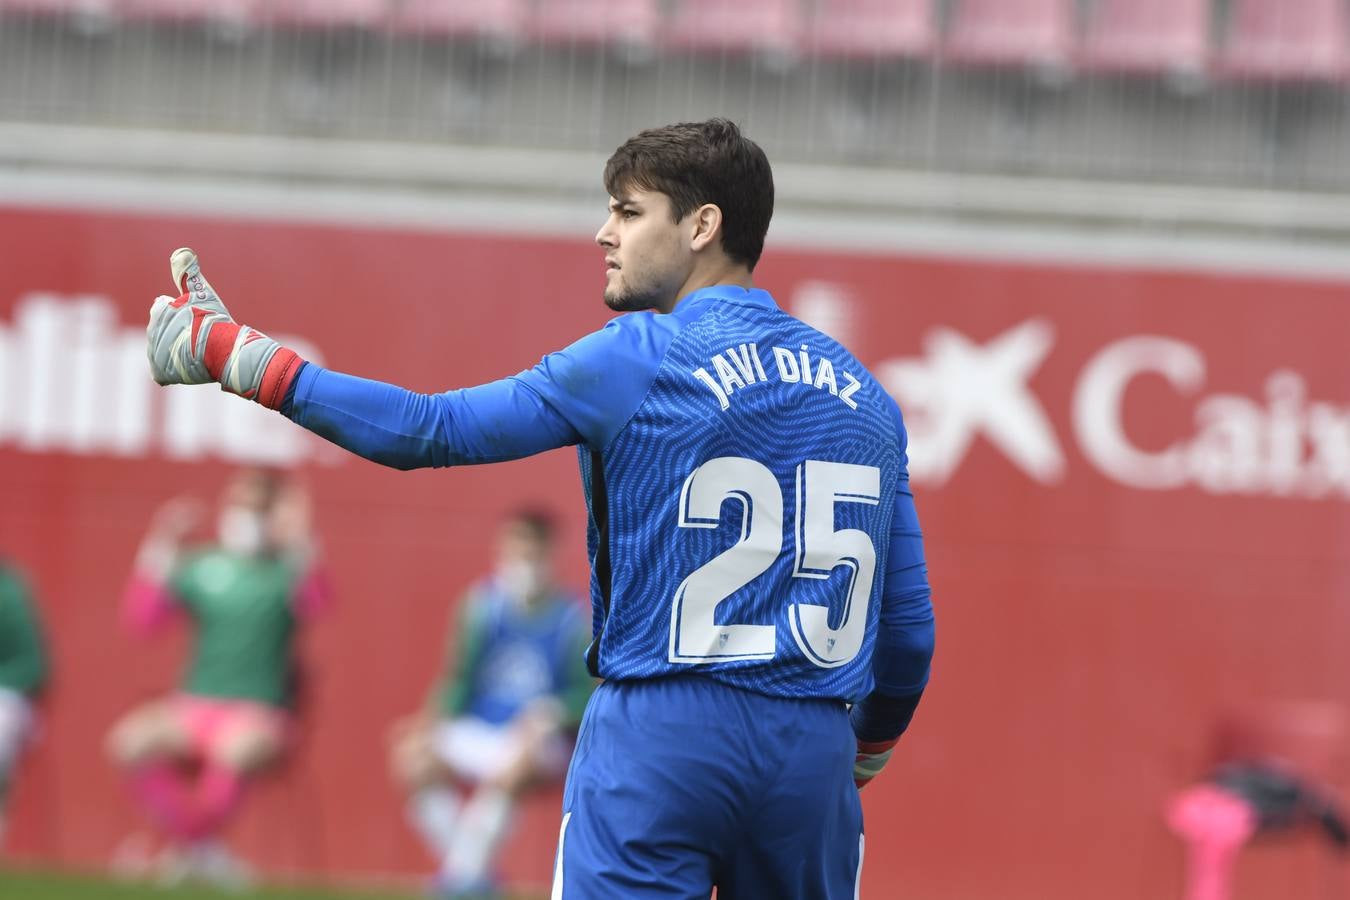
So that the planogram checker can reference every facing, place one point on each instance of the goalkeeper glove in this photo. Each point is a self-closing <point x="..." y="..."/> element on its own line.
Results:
<point x="878" y="722"/>
<point x="872" y="757"/>
<point x="193" y="340"/>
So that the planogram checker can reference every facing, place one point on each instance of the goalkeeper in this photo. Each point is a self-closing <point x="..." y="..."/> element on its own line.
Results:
<point x="756" y="559"/>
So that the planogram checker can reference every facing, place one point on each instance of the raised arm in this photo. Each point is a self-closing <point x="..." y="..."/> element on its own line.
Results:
<point x="402" y="429"/>
<point x="147" y="600"/>
<point x="581" y="394"/>
<point x="290" y="529"/>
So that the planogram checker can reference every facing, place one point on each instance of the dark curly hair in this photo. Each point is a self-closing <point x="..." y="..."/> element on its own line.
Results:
<point x="694" y="163"/>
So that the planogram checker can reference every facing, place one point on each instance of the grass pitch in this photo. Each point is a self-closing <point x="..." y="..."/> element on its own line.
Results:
<point x="34" y="885"/>
<point x="29" y="884"/>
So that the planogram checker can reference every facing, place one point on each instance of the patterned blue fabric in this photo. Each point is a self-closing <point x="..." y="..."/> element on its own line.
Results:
<point x="745" y="345"/>
<point x="680" y="784"/>
<point x="745" y="477"/>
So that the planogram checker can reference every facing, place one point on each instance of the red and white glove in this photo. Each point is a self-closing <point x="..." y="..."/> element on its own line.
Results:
<point x="872" y="757"/>
<point x="193" y="340"/>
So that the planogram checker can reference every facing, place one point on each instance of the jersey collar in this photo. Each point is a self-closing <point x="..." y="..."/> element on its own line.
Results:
<point x="694" y="303"/>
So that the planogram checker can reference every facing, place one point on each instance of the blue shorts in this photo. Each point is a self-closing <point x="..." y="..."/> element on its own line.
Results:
<point x="679" y="784"/>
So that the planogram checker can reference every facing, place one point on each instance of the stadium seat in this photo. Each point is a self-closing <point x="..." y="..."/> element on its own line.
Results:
<point x="499" y="20"/>
<point x="873" y="28"/>
<point x="59" y="7"/>
<point x="1288" y="40"/>
<point x="763" y="26"/>
<point x="326" y="13"/>
<point x="1011" y="32"/>
<point x="1156" y="37"/>
<point x="231" y="12"/>
<point x="632" y="23"/>
<point x="1310" y="735"/>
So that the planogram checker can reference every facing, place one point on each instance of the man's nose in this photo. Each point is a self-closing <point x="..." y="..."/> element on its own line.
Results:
<point x="605" y="236"/>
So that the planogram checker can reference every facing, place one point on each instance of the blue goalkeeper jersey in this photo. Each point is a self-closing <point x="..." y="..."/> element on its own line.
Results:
<point x="749" y="509"/>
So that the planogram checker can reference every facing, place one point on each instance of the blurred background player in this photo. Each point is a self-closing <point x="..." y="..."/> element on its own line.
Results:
<point x="502" y="717"/>
<point x="23" y="673"/>
<point x="189" y="754"/>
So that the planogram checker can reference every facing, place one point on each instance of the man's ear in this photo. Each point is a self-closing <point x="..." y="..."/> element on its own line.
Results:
<point x="706" y="226"/>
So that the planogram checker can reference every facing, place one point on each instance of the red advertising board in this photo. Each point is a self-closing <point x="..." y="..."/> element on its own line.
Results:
<point x="1134" y="484"/>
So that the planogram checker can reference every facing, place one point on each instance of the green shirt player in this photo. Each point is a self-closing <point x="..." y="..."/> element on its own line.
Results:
<point x="502" y="717"/>
<point x="244" y="598"/>
<point x="23" y="672"/>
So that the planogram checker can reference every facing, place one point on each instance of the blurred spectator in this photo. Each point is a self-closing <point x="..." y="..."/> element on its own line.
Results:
<point x="190" y="754"/>
<point x="502" y="717"/>
<point x="23" y="672"/>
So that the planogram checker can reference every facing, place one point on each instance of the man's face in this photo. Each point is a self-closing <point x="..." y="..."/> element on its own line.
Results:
<point x="523" y="563"/>
<point x="647" y="255"/>
<point x="242" y="523"/>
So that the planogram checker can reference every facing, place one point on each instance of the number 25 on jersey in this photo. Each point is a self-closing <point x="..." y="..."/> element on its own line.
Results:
<point x="696" y="636"/>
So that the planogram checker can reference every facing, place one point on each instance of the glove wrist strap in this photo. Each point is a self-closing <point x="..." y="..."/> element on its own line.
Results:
<point x="281" y="370"/>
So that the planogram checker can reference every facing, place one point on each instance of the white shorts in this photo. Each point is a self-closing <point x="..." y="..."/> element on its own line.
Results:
<point x="16" y="722"/>
<point x="479" y="751"/>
